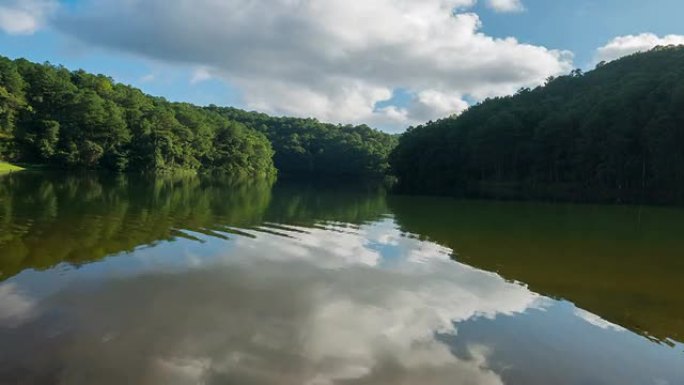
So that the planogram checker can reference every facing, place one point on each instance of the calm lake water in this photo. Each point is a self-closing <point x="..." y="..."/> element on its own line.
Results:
<point x="122" y="280"/>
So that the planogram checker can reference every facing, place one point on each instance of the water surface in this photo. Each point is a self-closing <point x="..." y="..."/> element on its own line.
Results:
<point x="214" y="281"/>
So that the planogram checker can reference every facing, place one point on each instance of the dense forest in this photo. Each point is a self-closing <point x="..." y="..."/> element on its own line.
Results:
<point x="72" y="119"/>
<point x="51" y="116"/>
<point x="306" y="146"/>
<point x="613" y="134"/>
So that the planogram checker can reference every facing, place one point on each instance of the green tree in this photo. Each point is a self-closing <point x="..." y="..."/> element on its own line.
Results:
<point x="611" y="134"/>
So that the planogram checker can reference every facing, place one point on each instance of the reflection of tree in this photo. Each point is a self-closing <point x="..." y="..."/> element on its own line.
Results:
<point x="307" y="203"/>
<point x="621" y="263"/>
<point x="48" y="219"/>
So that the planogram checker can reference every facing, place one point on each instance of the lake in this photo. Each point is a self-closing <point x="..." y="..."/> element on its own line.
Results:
<point x="198" y="280"/>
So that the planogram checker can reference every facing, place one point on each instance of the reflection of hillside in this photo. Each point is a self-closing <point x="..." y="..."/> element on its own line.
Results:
<point x="307" y="203"/>
<point x="47" y="219"/>
<point x="622" y="263"/>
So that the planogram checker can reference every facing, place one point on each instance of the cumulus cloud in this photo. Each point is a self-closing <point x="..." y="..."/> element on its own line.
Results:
<point x="626" y="45"/>
<point x="22" y="17"/>
<point x="325" y="58"/>
<point x="505" y="5"/>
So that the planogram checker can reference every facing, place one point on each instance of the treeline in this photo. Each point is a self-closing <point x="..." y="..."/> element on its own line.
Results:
<point x="309" y="147"/>
<point x="49" y="115"/>
<point x="614" y="134"/>
<point x="72" y="119"/>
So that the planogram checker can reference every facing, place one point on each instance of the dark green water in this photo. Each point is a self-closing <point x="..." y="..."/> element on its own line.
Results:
<point x="210" y="281"/>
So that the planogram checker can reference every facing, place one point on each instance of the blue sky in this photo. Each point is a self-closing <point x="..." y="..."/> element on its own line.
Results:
<point x="581" y="26"/>
<point x="389" y="63"/>
<point x="154" y="77"/>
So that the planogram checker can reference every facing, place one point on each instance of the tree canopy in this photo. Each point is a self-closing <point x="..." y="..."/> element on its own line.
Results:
<point x="309" y="147"/>
<point x="73" y="119"/>
<point x="615" y="134"/>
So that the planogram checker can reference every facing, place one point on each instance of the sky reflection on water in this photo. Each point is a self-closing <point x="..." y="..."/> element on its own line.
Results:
<point x="329" y="304"/>
<point x="210" y="281"/>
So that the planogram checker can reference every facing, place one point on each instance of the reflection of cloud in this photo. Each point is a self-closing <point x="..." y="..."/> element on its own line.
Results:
<point x="396" y="317"/>
<point x="597" y="321"/>
<point x="384" y="232"/>
<point x="332" y="247"/>
<point x="276" y="322"/>
<point x="314" y="309"/>
<point x="178" y="371"/>
<point x="335" y="245"/>
<point x="324" y="248"/>
<point x="14" y="306"/>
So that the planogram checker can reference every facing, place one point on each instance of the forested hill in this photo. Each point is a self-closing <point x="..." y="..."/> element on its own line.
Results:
<point x="52" y="116"/>
<point x="306" y="146"/>
<point x="72" y="119"/>
<point x="613" y="134"/>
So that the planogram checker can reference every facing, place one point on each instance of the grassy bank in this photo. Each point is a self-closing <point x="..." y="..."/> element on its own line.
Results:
<point x="6" y="168"/>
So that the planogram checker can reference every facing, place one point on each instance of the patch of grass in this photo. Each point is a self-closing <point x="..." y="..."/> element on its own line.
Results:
<point x="6" y="167"/>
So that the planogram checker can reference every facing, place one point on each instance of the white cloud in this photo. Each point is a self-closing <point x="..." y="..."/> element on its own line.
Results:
<point x="325" y="58"/>
<point x="24" y="17"/>
<point x="626" y="45"/>
<point x="200" y="75"/>
<point x="429" y="103"/>
<point x="506" y="5"/>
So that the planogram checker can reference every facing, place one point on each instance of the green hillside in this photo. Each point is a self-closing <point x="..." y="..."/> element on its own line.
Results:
<point x="72" y="119"/>
<point x="613" y="134"/>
